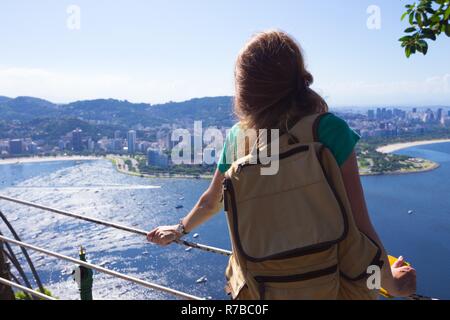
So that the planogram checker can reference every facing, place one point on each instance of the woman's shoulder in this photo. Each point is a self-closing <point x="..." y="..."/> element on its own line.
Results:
<point x="333" y="121"/>
<point x="236" y="127"/>
<point x="336" y="134"/>
<point x="233" y="132"/>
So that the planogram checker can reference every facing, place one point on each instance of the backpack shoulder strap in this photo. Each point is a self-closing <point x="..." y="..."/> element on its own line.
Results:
<point x="307" y="129"/>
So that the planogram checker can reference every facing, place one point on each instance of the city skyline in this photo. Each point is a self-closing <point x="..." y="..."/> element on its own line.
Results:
<point x="157" y="52"/>
<point x="378" y="122"/>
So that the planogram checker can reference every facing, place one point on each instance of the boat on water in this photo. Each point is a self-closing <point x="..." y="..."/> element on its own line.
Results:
<point x="179" y="206"/>
<point x="203" y="279"/>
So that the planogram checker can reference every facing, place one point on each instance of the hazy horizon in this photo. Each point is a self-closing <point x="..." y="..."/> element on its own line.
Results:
<point x="363" y="107"/>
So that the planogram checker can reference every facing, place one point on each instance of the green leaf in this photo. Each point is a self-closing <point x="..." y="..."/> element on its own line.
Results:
<point x="419" y="19"/>
<point x="426" y="21"/>
<point x="425" y="49"/>
<point x="430" y="10"/>
<point x="447" y="13"/>
<point x="422" y="43"/>
<point x="419" y="49"/>
<point x="411" y="18"/>
<point x="404" y="15"/>
<point x="408" y="51"/>
<point x="447" y="30"/>
<point x="428" y="34"/>
<point x="411" y="29"/>
<point x="422" y="46"/>
<point x="435" y="18"/>
<point x="405" y="38"/>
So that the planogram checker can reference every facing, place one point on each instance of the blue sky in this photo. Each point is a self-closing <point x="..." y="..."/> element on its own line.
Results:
<point x="156" y="51"/>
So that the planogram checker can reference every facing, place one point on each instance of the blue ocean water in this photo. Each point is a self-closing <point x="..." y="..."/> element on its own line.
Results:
<point x="94" y="188"/>
<point x="423" y="238"/>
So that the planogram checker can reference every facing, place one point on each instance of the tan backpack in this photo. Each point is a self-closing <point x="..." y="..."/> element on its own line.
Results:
<point x="293" y="233"/>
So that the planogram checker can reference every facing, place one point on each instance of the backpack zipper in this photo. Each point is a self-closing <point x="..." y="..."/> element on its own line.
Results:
<point x="263" y="280"/>
<point x="283" y="156"/>
<point x="225" y="195"/>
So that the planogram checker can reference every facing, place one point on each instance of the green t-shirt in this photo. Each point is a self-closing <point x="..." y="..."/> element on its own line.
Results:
<point x="334" y="133"/>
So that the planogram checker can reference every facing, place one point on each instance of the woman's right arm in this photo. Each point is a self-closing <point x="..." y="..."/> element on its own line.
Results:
<point x="208" y="204"/>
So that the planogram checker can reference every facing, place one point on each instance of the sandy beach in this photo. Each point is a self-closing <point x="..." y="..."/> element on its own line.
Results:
<point x="46" y="159"/>
<point x="399" y="146"/>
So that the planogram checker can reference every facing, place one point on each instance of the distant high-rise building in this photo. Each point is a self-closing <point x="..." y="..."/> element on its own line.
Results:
<point x="448" y="113"/>
<point x="429" y="116"/>
<point x="379" y="114"/>
<point x="32" y="148"/>
<point x="371" y="114"/>
<point x="439" y="114"/>
<point x="117" y="145"/>
<point x="15" y="147"/>
<point x="143" y="146"/>
<point x="414" y="110"/>
<point x="62" y="144"/>
<point x="399" y="113"/>
<point x="167" y="142"/>
<point x="131" y="137"/>
<point x="77" y="142"/>
<point x="91" y="145"/>
<point x="389" y="114"/>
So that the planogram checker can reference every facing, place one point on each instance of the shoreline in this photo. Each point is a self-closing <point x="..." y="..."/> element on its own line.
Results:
<point x="432" y="167"/>
<point x="390" y="148"/>
<point x="118" y="165"/>
<point x="26" y="160"/>
<point x="111" y="158"/>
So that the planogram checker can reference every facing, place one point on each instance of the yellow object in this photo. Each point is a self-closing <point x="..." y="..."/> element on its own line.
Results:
<point x="384" y="292"/>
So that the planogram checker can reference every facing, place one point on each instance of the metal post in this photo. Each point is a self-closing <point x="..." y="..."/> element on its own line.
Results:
<point x="84" y="278"/>
<point x="6" y="292"/>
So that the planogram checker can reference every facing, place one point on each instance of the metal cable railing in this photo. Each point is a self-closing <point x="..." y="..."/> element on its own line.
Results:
<point x="25" y="289"/>
<point x="130" y="230"/>
<point x="98" y="268"/>
<point x="115" y="225"/>
<point x="103" y="270"/>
